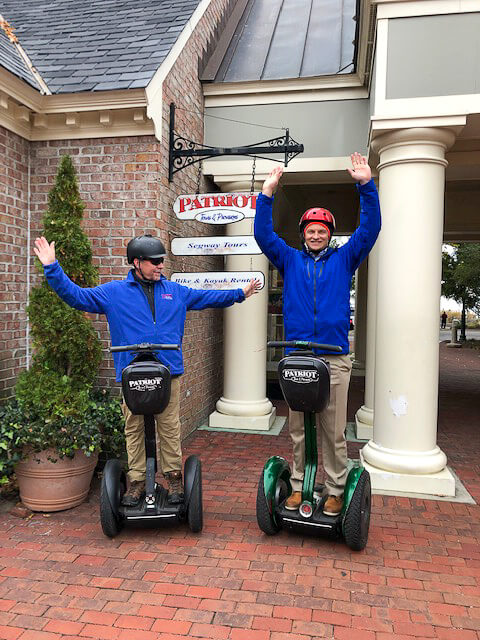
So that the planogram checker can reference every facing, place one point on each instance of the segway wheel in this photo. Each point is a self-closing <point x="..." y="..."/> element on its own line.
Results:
<point x="264" y="518"/>
<point x="357" y="517"/>
<point x="110" y="519"/>
<point x="195" y="506"/>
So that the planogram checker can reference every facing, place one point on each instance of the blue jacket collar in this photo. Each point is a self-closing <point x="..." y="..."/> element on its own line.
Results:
<point x="131" y="280"/>
<point x="327" y="252"/>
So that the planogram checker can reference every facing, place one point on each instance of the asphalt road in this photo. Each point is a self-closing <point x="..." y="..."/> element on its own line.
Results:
<point x="446" y="334"/>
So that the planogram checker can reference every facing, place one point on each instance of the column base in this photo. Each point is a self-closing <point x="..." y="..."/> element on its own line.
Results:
<point x="364" y="423"/>
<point x="251" y="423"/>
<point x="441" y="483"/>
<point x="404" y="461"/>
<point x="454" y="345"/>
<point x="241" y="408"/>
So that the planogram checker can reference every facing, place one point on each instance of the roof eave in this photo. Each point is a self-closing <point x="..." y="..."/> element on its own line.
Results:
<point x="34" y="116"/>
<point x="285" y="90"/>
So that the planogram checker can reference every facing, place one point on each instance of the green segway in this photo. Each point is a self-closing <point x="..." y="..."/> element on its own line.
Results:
<point x="305" y="382"/>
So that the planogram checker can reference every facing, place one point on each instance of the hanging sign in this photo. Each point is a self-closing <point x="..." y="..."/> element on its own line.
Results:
<point x="218" y="279"/>
<point x="218" y="245"/>
<point x="216" y="208"/>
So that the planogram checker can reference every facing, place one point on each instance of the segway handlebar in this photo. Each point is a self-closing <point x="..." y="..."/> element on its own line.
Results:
<point x="303" y="344"/>
<point x="145" y="346"/>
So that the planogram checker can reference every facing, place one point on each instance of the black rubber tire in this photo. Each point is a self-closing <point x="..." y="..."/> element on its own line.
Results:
<point x="281" y="492"/>
<point x="111" y="523"/>
<point x="357" y="518"/>
<point x="195" y="505"/>
<point x="264" y="519"/>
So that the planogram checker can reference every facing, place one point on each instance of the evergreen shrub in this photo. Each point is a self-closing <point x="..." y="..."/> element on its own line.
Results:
<point x="55" y="405"/>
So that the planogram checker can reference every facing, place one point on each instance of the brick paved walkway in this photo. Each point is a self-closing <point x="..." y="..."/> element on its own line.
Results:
<point x="419" y="577"/>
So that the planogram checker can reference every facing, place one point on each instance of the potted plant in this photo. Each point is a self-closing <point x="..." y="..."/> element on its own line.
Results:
<point x="58" y="463"/>
<point x="56" y="428"/>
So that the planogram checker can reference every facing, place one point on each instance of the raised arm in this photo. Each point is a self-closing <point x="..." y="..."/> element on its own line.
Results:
<point x="272" y="246"/>
<point x="91" y="299"/>
<point x="362" y="241"/>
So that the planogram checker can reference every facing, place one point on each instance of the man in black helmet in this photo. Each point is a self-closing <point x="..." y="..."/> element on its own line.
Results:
<point x="145" y="307"/>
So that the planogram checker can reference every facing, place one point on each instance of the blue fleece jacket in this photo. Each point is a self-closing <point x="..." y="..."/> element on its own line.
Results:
<point x="316" y="293"/>
<point x="129" y="316"/>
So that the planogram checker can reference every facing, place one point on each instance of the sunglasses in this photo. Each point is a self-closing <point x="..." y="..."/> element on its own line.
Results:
<point x="155" y="261"/>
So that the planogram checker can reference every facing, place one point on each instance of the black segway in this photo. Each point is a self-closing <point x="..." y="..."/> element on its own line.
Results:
<point x="146" y="390"/>
<point x="305" y="382"/>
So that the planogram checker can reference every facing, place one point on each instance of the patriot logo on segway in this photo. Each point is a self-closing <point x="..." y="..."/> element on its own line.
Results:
<point x="146" y="390"/>
<point x="305" y="382"/>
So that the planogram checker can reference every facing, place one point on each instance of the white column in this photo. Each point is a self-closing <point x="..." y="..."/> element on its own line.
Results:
<point x="364" y="416"/>
<point x="404" y="455"/>
<point x="361" y="278"/>
<point x="244" y="404"/>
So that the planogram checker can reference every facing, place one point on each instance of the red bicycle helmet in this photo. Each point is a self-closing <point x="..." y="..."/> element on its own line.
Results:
<point x="316" y="215"/>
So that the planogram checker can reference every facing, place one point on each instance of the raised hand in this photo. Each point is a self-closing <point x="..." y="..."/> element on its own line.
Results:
<point x="360" y="172"/>
<point x="45" y="252"/>
<point x="252" y="287"/>
<point x="271" y="183"/>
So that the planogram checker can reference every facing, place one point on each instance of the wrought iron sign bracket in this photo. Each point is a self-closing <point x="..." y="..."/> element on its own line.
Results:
<point x="184" y="152"/>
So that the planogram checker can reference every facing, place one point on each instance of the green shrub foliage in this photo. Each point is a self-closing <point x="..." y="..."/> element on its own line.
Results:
<point x="56" y="390"/>
<point x="100" y="427"/>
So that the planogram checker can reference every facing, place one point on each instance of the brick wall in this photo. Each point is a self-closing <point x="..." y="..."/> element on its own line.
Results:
<point x="118" y="182"/>
<point x="13" y="257"/>
<point x="124" y="184"/>
<point x="203" y="343"/>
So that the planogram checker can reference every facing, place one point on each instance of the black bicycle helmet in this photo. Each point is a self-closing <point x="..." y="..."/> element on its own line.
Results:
<point x="145" y="247"/>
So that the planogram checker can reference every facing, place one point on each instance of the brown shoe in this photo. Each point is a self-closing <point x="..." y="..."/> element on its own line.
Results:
<point x="294" y="501"/>
<point x="134" y="494"/>
<point x="175" y="487"/>
<point x="333" y="505"/>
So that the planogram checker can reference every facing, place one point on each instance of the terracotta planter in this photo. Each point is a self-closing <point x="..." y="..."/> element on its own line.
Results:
<point x="54" y="486"/>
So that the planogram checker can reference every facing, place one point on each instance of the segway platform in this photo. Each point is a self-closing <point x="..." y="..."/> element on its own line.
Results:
<point x="160" y="510"/>
<point x="317" y="524"/>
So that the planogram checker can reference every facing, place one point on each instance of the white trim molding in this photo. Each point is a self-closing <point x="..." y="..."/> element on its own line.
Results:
<point x="299" y="171"/>
<point x="406" y="8"/>
<point x="99" y="114"/>
<point x="399" y="109"/>
<point x="441" y="106"/>
<point x="154" y="89"/>
<point x="347" y="87"/>
<point x="381" y="125"/>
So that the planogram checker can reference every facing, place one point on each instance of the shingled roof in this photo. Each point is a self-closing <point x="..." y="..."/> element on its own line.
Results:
<point x="88" y="45"/>
<point x="11" y="60"/>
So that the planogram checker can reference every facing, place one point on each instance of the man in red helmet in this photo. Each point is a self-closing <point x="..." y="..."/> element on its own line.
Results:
<point x="316" y="308"/>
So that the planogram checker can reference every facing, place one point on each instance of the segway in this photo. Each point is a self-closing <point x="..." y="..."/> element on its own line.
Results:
<point x="146" y="386"/>
<point x="305" y="382"/>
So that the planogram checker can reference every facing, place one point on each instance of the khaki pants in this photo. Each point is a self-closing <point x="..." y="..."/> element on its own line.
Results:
<point x="331" y="424"/>
<point x="169" y="450"/>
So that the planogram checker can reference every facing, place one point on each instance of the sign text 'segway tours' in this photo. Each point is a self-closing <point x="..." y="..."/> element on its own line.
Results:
<point x="217" y="245"/>
<point x="216" y="208"/>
